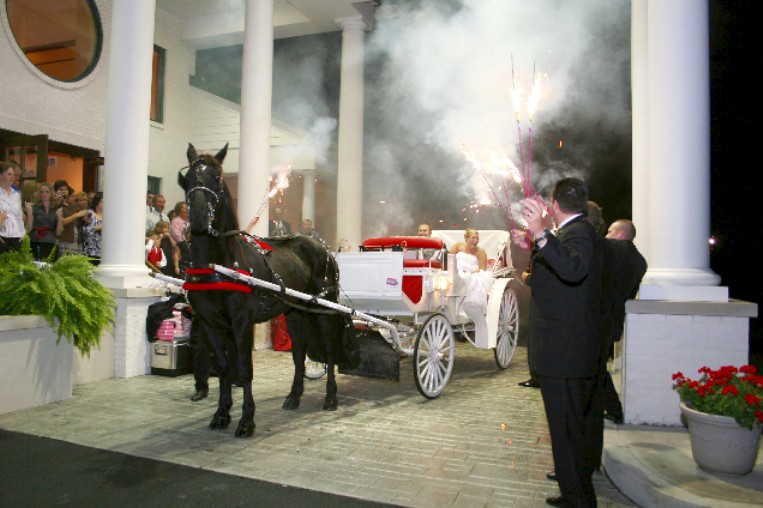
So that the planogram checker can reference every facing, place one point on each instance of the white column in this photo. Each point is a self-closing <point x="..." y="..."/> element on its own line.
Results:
<point x="256" y="96"/>
<point x="640" y="124"/>
<point x="350" y="158"/>
<point x="308" y="195"/>
<point x="126" y="150"/>
<point x="678" y="179"/>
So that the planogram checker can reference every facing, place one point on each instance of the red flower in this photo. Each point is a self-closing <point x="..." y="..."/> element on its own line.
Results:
<point x="727" y="391"/>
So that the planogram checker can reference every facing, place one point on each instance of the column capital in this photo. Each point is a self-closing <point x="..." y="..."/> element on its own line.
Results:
<point x="352" y="23"/>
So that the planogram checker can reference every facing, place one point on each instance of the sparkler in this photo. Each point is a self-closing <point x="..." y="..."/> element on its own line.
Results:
<point x="281" y="183"/>
<point x="532" y="105"/>
<point x="516" y="99"/>
<point x="497" y="163"/>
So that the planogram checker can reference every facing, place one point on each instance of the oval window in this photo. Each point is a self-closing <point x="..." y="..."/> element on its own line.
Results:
<point x="62" y="39"/>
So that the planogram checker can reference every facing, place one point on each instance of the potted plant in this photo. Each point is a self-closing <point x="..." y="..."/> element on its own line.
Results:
<point x="724" y="414"/>
<point x="64" y="293"/>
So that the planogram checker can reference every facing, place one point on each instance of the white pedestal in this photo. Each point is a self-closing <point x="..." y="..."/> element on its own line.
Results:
<point x="662" y="338"/>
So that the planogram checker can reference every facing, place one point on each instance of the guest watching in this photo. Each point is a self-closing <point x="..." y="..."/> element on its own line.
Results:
<point x="278" y="226"/>
<point x="61" y="191"/>
<point x="430" y="254"/>
<point x="41" y="223"/>
<point x="155" y="258"/>
<point x="157" y="213"/>
<point x="565" y="339"/>
<point x="629" y="268"/>
<point x="179" y="223"/>
<point x="306" y="229"/>
<point x="69" y="223"/>
<point x="16" y="175"/>
<point x="180" y="234"/>
<point x="11" y="213"/>
<point x="150" y="201"/>
<point x="170" y="249"/>
<point x="91" y="229"/>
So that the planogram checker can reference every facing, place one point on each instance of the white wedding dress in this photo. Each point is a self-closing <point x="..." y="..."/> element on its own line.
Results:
<point x="478" y="282"/>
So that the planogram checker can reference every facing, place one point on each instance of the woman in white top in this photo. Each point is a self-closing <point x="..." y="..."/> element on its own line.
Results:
<point x="471" y="264"/>
<point x="11" y="213"/>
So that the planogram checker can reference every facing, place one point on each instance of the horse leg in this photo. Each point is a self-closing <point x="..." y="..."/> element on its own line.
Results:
<point x="221" y="418"/>
<point x="330" y="403"/>
<point x="330" y="326"/>
<point x="296" y="328"/>
<point x="243" y="355"/>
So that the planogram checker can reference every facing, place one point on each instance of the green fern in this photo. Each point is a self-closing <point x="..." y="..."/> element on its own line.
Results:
<point x="64" y="293"/>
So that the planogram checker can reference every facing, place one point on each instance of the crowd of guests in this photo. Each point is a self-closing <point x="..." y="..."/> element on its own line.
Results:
<point x="167" y="237"/>
<point x="50" y="214"/>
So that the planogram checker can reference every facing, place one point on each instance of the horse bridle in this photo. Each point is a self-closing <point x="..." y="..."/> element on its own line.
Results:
<point x="199" y="165"/>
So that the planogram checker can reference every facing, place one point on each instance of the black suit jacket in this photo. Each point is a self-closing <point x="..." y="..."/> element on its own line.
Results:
<point x="285" y="229"/>
<point x="629" y="268"/>
<point x="566" y="307"/>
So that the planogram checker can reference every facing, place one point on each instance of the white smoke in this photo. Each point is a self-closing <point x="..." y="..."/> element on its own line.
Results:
<point x="441" y="78"/>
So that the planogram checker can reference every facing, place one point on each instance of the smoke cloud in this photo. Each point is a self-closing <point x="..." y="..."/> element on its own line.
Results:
<point x="439" y="77"/>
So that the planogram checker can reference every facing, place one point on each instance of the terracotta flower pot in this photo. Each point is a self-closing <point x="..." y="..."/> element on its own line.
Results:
<point x="719" y="444"/>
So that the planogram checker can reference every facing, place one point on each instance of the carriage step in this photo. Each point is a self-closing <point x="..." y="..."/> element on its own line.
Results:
<point x="377" y="358"/>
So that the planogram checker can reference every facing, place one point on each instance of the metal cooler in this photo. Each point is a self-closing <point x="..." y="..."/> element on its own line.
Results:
<point x="171" y="358"/>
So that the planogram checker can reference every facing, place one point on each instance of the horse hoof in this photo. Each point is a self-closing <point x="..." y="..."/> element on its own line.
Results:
<point x="290" y="404"/>
<point x="245" y="429"/>
<point x="330" y="404"/>
<point x="219" y="422"/>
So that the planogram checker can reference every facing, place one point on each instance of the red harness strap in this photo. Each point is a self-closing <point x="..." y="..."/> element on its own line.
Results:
<point x="213" y="285"/>
<point x="263" y="245"/>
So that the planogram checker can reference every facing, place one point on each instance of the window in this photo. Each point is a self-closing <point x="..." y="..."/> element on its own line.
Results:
<point x="157" y="85"/>
<point x="62" y="39"/>
<point x="154" y="184"/>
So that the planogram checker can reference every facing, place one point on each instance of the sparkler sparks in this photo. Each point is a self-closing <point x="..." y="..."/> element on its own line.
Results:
<point x="277" y="183"/>
<point x="532" y="106"/>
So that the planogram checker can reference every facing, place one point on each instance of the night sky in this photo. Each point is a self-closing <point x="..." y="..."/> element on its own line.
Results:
<point x="735" y="110"/>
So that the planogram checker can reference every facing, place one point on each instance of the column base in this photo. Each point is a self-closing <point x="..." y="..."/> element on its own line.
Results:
<point x="124" y="276"/>
<point x="685" y="293"/>
<point x="682" y="276"/>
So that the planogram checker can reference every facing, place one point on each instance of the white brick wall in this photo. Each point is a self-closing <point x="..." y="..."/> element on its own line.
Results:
<point x="32" y="103"/>
<point x="658" y="345"/>
<point x="132" y="354"/>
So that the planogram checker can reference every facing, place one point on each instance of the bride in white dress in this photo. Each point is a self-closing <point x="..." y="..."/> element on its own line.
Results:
<point x="471" y="264"/>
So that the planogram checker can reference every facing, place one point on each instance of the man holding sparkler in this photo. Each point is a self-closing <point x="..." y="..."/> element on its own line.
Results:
<point x="565" y="331"/>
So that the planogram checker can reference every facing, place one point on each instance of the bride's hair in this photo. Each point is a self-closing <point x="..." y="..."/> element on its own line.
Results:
<point x="469" y="232"/>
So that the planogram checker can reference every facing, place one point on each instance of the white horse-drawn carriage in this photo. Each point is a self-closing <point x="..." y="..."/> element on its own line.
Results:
<point x="416" y="300"/>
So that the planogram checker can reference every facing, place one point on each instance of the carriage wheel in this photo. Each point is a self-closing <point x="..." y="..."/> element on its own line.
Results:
<point x="508" y="329"/>
<point x="433" y="355"/>
<point x="314" y="370"/>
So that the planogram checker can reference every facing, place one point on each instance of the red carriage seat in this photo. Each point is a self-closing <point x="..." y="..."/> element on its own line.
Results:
<point x="412" y="284"/>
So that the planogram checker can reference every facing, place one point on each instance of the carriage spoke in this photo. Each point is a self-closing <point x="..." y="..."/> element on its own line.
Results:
<point x="433" y="352"/>
<point x="508" y="328"/>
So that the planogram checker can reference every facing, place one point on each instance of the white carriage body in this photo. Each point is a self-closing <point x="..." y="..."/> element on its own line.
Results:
<point x="378" y="283"/>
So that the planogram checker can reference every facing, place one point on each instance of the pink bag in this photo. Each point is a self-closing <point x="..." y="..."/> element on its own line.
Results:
<point x="166" y="331"/>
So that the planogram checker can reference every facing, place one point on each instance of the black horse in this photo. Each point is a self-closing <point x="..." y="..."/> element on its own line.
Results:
<point x="227" y="310"/>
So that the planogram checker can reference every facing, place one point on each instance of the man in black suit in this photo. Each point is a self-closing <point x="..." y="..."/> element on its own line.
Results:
<point x="565" y="332"/>
<point x="278" y="226"/>
<point x="629" y="268"/>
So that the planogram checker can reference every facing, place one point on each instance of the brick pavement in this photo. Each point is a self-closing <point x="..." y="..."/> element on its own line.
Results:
<point x="482" y="443"/>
